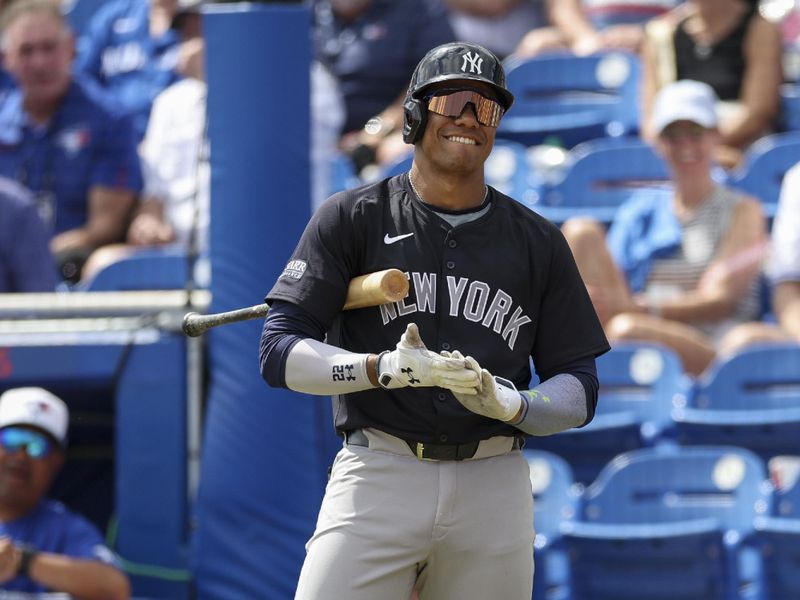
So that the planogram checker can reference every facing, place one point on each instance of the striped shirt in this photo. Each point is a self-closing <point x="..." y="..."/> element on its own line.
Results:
<point x="702" y="235"/>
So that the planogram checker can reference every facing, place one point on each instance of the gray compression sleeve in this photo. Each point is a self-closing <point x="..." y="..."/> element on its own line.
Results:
<point x="555" y="405"/>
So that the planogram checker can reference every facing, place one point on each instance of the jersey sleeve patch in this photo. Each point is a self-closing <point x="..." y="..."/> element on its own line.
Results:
<point x="294" y="269"/>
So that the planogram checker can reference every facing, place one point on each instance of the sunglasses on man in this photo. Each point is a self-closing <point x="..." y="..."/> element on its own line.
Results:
<point x="451" y="103"/>
<point x="36" y="445"/>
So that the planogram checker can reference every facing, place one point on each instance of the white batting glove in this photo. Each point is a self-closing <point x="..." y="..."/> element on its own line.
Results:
<point x="496" y="398"/>
<point x="412" y="364"/>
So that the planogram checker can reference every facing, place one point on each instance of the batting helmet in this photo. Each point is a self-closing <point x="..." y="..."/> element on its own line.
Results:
<point x="456" y="60"/>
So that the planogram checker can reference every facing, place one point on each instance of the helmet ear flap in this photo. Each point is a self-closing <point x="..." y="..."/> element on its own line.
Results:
<point x="414" y="117"/>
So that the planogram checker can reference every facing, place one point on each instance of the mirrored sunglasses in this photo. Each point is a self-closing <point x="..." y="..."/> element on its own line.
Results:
<point x="36" y="445"/>
<point x="452" y="104"/>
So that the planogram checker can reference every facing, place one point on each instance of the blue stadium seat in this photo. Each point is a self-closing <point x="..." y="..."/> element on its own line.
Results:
<point x="600" y="176"/>
<point x="751" y="399"/>
<point x="764" y="166"/>
<point x="572" y="98"/>
<point x="790" y="106"/>
<point x="343" y="174"/>
<point x="148" y="269"/>
<point x="779" y="535"/>
<point x="785" y="475"/>
<point x="554" y="501"/>
<point x="401" y="165"/>
<point x="506" y="169"/>
<point x="638" y="384"/>
<point x="670" y="523"/>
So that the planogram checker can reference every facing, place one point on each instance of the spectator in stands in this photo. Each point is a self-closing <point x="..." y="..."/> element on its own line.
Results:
<point x="679" y="268"/>
<point x="131" y="48"/>
<point x="62" y="139"/>
<point x="498" y="25"/>
<point x="174" y="208"/>
<point x="44" y="547"/>
<point x="26" y="264"/>
<point x="728" y="45"/>
<point x="372" y="47"/>
<point x="174" y="153"/>
<point x="585" y="27"/>
<point x="784" y="274"/>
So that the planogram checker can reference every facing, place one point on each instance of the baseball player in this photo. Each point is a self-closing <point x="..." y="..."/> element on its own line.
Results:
<point x="430" y="490"/>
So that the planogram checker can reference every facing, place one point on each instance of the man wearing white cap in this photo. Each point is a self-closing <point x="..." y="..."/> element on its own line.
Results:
<point x="680" y="266"/>
<point x="43" y="546"/>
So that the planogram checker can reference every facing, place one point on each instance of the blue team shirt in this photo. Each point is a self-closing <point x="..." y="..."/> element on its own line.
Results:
<point x="88" y="142"/>
<point x="118" y="52"/>
<point x="7" y="84"/>
<point x="374" y="56"/>
<point x="26" y="264"/>
<point x="51" y="527"/>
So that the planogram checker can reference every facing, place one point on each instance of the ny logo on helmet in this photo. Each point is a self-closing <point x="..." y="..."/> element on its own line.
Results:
<point x="473" y="61"/>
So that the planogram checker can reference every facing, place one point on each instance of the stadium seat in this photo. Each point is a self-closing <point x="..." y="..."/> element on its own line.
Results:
<point x="554" y="501"/>
<point x="638" y="384"/>
<point x="400" y="165"/>
<point x="148" y="269"/>
<point x="790" y="106"/>
<point x="571" y="98"/>
<point x="670" y="523"/>
<point x="343" y="174"/>
<point x="764" y="166"/>
<point x="779" y="535"/>
<point x="751" y="399"/>
<point x="785" y="475"/>
<point x="601" y="175"/>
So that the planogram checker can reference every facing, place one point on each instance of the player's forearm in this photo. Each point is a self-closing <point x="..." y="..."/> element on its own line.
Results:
<point x="314" y="367"/>
<point x="557" y="404"/>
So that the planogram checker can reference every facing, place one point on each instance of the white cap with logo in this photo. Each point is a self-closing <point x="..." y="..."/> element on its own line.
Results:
<point x="36" y="407"/>
<point x="685" y="100"/>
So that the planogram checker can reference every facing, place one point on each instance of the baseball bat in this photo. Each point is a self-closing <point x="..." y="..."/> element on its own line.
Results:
<point x="372" y="289"/>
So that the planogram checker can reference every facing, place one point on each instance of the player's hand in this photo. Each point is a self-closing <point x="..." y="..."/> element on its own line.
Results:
<point x="412" y="364"/>
<point x="496" y="398"/>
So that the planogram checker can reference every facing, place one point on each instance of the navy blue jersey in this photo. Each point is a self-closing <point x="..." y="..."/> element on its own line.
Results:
<point x="503" y="288"/>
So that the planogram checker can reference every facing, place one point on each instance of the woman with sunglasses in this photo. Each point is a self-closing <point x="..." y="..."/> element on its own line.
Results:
<point x="430" y="491"/>
<point x="44" y="547"/>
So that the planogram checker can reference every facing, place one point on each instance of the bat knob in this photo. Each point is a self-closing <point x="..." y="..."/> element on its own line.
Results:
<point x="189" y="324"/>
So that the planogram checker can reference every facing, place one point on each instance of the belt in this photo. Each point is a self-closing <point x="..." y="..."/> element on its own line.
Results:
<point x="425" y="451"/>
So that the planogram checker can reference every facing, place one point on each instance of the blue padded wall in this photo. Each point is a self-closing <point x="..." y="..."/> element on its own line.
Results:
<point x="265" y="451"/>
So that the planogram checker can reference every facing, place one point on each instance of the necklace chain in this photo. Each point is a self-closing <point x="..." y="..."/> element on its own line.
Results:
<point x="413" y="187"/>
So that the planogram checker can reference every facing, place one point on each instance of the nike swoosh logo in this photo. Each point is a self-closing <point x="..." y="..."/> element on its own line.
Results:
<point x="387" y="239"/>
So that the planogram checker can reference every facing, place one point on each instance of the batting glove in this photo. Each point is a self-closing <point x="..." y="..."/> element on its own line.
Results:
<point x="412" y="364"/>
<point x="496" y="398"/>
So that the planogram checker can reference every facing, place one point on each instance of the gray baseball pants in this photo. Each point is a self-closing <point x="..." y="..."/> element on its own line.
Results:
<point x="454" y="530"/>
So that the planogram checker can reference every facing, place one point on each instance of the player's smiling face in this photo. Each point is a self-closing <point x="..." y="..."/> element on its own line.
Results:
<point x="458" y="144"/>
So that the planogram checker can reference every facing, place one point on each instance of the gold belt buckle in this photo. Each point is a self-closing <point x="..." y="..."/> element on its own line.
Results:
<point x="420" y="449"/>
